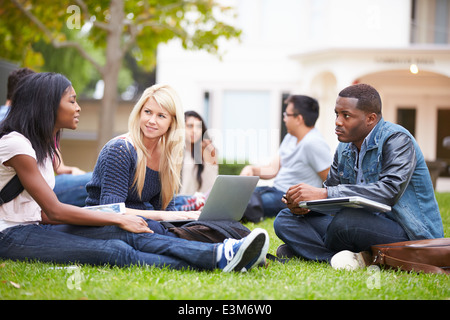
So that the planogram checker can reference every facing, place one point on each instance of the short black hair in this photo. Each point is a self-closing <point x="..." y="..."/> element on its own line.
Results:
<point x="368" y="97"/>
<point x="306" y="106"/>
<point x="13" y="79"/>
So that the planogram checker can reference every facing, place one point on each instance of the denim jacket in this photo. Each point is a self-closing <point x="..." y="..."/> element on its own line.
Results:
<point x="394" y="173"/>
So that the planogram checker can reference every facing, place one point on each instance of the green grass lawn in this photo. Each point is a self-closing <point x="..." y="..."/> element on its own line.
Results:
<point x="296" y="279"/>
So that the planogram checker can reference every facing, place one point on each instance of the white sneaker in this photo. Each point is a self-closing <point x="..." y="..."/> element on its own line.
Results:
<point x="348" y="260"/>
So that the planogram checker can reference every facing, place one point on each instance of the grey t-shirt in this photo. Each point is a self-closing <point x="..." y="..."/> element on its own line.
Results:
<point x="301" y="162"/>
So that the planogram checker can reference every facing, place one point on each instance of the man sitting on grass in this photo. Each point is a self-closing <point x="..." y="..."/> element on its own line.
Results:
<point x="378" y="160"/>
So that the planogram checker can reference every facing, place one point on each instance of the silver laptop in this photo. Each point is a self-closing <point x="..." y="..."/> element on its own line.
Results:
<point x="227" y="199"/>
<point x="333" y="205"/>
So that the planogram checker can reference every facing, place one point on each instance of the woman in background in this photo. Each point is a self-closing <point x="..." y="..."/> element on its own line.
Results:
<point x="200" y="167"/>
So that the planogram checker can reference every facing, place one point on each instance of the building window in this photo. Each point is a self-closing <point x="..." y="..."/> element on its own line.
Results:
<point x="430" y="21"/>
<point x="245" y="126"/>
<point x="406" y="117"/>
<point x="283" y="130"/>
<point x="207" y="108"/>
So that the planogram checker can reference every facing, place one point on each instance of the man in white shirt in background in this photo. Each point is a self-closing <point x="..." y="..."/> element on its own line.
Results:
<point x="303" y="157"/>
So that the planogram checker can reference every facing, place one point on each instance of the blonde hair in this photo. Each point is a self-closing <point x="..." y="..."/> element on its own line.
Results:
<point x="172" y="142"/>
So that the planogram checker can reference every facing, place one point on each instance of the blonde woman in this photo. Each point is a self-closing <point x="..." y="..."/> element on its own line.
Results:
<point x="142" y="168"/>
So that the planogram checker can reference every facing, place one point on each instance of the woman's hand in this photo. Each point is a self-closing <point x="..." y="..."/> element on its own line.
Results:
<point x="209" y="152"/>
<point x="134" y="224"/>
<point x="159" y="215"/>
<point x="181" y="215"/>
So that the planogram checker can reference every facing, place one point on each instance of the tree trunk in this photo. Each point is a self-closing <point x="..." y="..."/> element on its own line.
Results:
<point x="110" y="74"/>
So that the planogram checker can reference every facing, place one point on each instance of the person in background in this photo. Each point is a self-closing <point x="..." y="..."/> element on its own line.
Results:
<point x="200" y="165"/>
<point x="303" y="157"/>
<point x="35" y="225"/>
<point x="13" y="79"/>
<point x="375" y="159"/>
<point x="70" y="185"/>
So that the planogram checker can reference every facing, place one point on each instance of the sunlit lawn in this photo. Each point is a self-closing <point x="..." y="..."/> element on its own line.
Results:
<point x="296" y="279"/>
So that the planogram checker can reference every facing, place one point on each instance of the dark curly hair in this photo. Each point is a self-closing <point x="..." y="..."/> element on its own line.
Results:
<point x="14" y="78"/>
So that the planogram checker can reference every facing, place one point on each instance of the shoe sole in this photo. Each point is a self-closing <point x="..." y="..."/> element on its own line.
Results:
<point x="252" y="246"/>
<point x="262" y="256"/>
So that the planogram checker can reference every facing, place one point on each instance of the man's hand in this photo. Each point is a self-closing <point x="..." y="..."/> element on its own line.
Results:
<point x="302" y="192"/>
<point x="293" y="206"/>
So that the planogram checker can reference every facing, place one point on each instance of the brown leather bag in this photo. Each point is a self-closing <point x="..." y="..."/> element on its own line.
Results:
<point x="429" y="256"/>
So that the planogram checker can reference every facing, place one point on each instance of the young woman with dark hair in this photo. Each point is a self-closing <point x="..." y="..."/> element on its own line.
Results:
<point x="43" y="104"/>
<point x="200" y="167"/>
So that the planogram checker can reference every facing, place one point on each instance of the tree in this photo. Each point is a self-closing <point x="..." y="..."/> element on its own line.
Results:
<point x="118" y="27"/>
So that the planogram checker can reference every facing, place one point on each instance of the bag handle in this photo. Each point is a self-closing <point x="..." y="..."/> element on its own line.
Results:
<point x="383" y="258"/>
<point x="11" y="190"/>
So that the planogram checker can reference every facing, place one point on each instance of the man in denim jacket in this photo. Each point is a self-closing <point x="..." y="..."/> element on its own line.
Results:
<point x="378" y="160"/>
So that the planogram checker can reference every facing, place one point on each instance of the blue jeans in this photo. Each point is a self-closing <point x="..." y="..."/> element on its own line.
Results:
<point x="103" y="245"/>
<point x="271" y="200"/>
<point x="71" y="189"/>
<point x="317" y="236"/>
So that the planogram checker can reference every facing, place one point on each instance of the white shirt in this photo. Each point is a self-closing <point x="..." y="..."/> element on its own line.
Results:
<point x="23" y="209"/>
<point x="301" y="162"/>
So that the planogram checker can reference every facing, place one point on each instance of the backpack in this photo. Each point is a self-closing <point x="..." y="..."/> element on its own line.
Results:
<point x="208" y="231"/>
<point x="254" y="211"/>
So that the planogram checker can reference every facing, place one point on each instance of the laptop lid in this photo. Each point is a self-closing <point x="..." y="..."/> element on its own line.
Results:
<point x="228" y="198"/>
<point x="333" y="205"/>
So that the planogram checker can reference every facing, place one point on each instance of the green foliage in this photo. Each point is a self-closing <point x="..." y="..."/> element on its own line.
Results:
<point x="68" y="61"/>
<point x="443" y="200"/>
<point x="231" y="168"/>
<point x="198" y="23"/>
